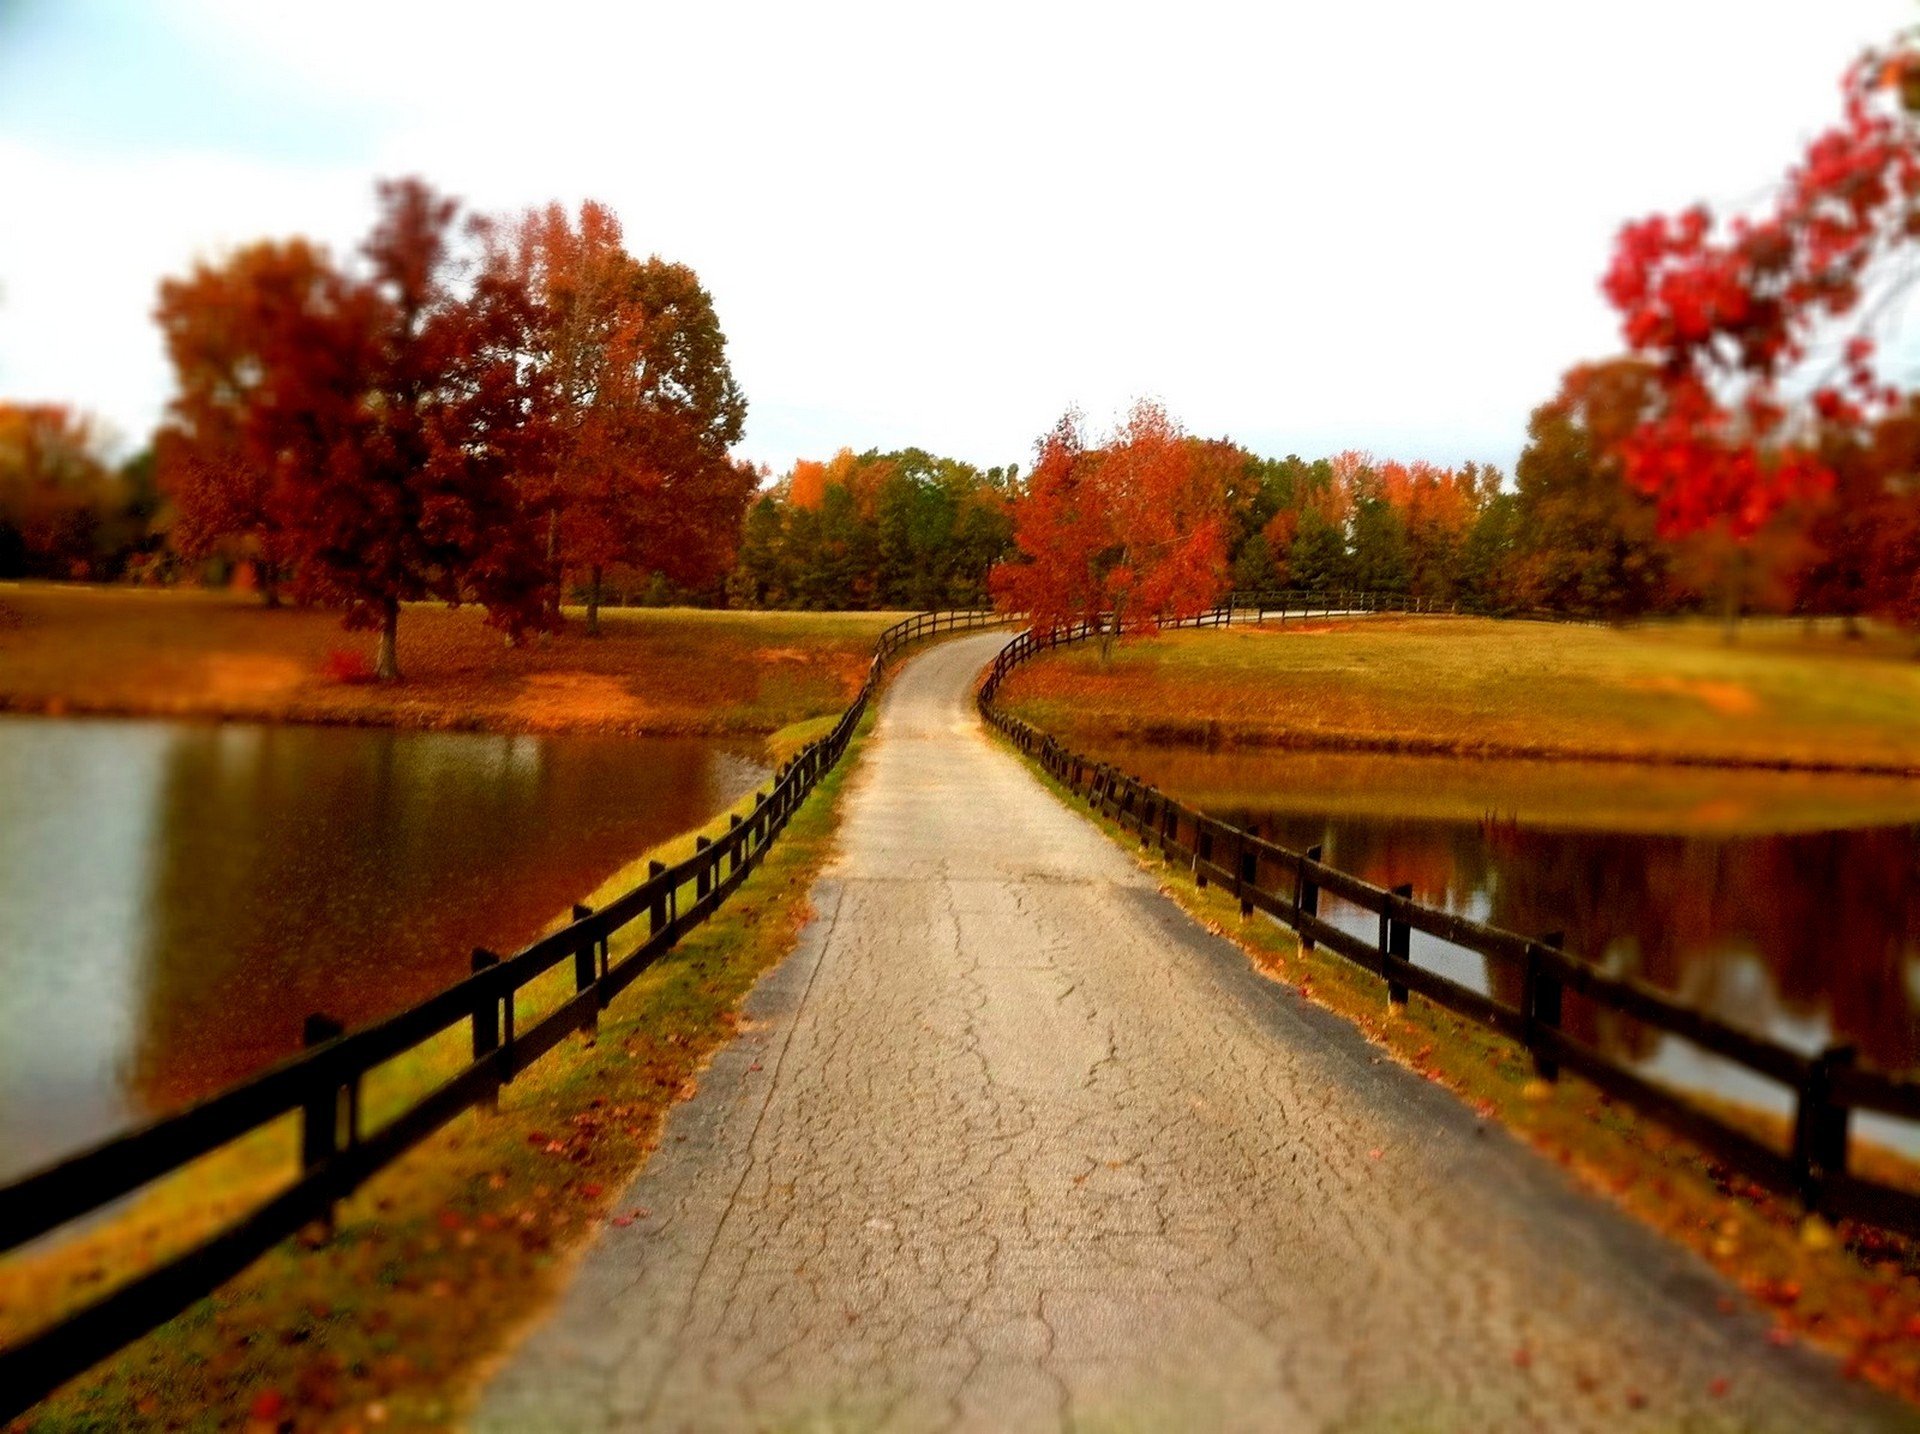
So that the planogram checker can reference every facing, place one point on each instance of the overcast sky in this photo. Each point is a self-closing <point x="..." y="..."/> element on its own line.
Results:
<point x="1334" y="225"/>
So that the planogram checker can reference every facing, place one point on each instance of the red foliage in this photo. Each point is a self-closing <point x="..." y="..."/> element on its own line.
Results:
<point x="1735" y="317"/>
<point x="1136" y="528"/>
<point x="633" y="466"/>
<point x="346" y="664"/>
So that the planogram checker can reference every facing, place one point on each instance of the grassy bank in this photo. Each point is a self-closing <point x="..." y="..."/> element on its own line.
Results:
<point x="391" y="1323"/>
<point x="135" y="652"/>
<point x="1470" y="687"/>
<point x="1852" y="1292"/>
<point x="1566" y="795"/>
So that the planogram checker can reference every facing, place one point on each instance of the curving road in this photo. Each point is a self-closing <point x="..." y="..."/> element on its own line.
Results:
<point x="1010" y="1143"/>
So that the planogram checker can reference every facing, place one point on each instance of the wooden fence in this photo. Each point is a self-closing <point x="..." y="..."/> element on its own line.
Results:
<point x="1303" y="606"/>
<point x="1826" y="1089"/>
<point x="323" y="1083"/>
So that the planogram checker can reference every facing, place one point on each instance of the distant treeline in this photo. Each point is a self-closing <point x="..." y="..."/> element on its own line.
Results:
<point x="910" y="529"/>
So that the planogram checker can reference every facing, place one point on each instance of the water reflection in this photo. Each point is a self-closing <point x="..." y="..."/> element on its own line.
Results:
<point x="175" y="899"/>
<point x="1787" y="904"/>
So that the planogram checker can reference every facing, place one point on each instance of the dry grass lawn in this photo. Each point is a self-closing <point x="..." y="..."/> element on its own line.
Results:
<point x="133" y="652"/>
<point x="1474" y="687"/>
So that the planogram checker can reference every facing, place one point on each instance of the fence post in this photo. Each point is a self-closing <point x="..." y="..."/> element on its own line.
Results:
<point x="733" y="825"/>
<point x="586" y="963"/>
<point x="486" y="1020"/>
<point x="1396" y="939"/>
<point x="1202" y="852"/>
<point x="702" y="879"/>
<point x="320" y="1117"/>
<point x="1306" y="893"/>
<point x="1820" y="1126"/>
<point x="657" y="913"/>
<point x="1249" y="869"/>
<point x="1540" y="1002"/>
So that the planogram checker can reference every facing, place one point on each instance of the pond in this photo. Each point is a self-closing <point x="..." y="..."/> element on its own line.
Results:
<point x="175" y="899"/>
<point x="1787" y="904"/>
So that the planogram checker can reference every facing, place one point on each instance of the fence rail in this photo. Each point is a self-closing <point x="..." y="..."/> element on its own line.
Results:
<point x="1826" y="1089"/>
<point x="322" y="1084"/>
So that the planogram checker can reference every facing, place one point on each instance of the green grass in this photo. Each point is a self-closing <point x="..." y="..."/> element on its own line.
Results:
<point x="437" y="1260"/>
<point x="1473" y="687"/>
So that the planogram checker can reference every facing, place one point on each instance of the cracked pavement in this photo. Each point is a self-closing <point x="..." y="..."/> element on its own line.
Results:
<point x="1009" y="1142"/>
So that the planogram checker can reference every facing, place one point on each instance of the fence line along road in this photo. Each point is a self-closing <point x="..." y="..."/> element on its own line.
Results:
<point x="1827" y="1088"/>
<point x="323" y="1083"/>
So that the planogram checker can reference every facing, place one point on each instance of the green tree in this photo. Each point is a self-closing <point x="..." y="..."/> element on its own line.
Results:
<point x="1318" y="559"/>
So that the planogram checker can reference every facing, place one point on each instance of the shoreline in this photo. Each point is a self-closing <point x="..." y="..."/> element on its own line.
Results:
<point x="398" y="720"/>
<point x="1207" y="736"/>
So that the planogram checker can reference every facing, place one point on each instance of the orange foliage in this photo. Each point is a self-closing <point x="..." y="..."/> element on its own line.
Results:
<point x="1136" y="528"/>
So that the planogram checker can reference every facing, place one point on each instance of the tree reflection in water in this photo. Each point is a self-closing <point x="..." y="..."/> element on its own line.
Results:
<point x="1788" y="904"/>
<point x="177" y="898"/>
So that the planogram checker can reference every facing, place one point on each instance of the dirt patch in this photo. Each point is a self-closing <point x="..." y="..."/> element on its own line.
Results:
<point x="245" y="677"/>
<point x="570" y="700"/>
<point x="1729" y="699"/>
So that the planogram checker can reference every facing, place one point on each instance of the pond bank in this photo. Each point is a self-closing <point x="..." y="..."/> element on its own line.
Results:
<point x="74" y="650"/>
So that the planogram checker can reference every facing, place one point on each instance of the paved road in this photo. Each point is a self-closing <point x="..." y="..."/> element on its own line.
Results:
<point x="1010" y="1143"/>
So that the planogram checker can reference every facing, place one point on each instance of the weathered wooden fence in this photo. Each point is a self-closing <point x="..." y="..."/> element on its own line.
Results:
<point x="1826" y="1089"/>
<point x="323" y="1083"/>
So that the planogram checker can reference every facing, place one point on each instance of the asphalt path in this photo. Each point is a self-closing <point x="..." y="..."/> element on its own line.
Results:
<point x="1009" y="1142"/>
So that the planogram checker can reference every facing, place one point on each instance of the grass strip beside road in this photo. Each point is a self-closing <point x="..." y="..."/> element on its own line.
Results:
<point x="1779" y="697"/>
<point x="1853" y="1292"/>
<point x="391" y="1322"/>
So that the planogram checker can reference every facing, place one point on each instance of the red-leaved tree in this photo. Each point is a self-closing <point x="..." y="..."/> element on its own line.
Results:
<point x="234" y="330"/>
<point x="642" y="407"/>
<point x="1135" y="529"/>
<point x="371" y="422"/>
<point x="1760" y="328"/>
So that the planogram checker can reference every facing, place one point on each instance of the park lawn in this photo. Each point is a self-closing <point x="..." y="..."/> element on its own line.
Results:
<point x="1853" y="1292"/>
<point x="1665" y="692"/>
<point x="190" y="653"/>
<point x="395" y="1321"/>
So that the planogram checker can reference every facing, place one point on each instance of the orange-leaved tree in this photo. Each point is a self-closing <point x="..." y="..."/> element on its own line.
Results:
<point x="1133" y="532"/>
<point x="56" y="494"/>
<point x="232" y="330"/>
<point x="642" y="407"/>
<point x="378" y="417"/>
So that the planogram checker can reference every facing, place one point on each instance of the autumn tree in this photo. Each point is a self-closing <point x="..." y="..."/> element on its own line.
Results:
<point x="59" y="500"/>
<point x="643" y="407"/>
<point x="1134" y="531"/>
<point x="380" y="414"/>
<point x="1759" y="328"/>
<point x="1586" y="539"/>
<point x="906" y="528"/>
<point x="233" y="331"/>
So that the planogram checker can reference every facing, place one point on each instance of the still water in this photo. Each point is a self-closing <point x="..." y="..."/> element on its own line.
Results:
<point x="1789" y="905"/>
<point x="175" y="899"/>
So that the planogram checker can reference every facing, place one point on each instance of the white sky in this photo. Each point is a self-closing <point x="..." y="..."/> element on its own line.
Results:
<point x="1325" y="226"/>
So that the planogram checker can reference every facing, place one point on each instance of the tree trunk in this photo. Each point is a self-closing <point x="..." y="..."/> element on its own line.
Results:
<point x="1736" y="584"/>
<point x="386" y="658"/>
<point x="593" y="601"/>
<point x="269" y="575"/>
